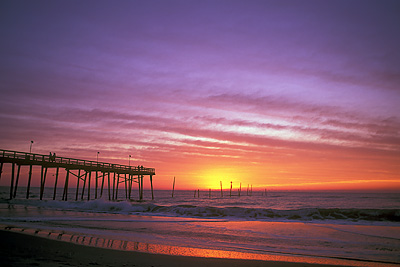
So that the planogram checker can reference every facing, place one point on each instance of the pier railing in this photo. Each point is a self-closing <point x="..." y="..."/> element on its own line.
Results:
<point x="39" y="159"/>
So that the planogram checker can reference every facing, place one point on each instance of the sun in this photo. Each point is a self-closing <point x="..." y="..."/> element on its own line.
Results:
<point x="212" y="178"/>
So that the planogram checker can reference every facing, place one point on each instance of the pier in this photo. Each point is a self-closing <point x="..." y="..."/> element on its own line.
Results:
<point x="84" y="171"/>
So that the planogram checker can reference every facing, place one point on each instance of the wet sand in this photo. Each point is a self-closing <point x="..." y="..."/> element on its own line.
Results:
<point x="17" y="249"/>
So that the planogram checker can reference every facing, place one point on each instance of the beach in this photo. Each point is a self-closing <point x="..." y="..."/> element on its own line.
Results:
<point x="17" y="249"/>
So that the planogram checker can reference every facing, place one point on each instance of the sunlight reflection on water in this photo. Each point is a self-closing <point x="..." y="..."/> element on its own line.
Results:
<point x="124" y="245"/>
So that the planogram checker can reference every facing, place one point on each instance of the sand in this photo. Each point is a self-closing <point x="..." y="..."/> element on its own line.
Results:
<point x="17" y="249"/>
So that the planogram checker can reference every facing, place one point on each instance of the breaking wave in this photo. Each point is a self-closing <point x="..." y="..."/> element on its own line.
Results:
<point x="231" y="213"/>
<point x="309" y="214"/>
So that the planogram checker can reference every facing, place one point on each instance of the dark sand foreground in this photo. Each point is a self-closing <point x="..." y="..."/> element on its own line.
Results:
<point x="18" y="249"/>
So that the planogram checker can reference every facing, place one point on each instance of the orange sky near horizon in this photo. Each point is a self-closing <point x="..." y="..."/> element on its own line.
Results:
<point x="335" y="169"/>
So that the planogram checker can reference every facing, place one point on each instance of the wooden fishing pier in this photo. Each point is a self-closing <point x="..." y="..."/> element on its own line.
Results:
<point x="82" y="170"/>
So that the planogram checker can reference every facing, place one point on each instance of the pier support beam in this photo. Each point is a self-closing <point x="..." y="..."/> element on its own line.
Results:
<point x="88" y="192"/>
<point x="77" y="185"/>
<point x="55" y="184"/>
<point x="65" y="194"/>
<point x="116" y="191"/>
<point x="43" y="181"/>
<point x="141" y="187"/>
<point x="130" y="185"/>
<point x="151" y="184"/>
<point x="126" y="188"/>
<point x="109" y="187"/>
<point x="16" y="182"/>
<point x="29" y="182"/>
<point x="97" y="177"/>
<point x="113" y="191"/>
<point x="138" y="179"/>
<point x="1" y="169"/>
<point x="84" y="185"/>
<point x="102" y="184"/>
<point x="12" y="180"/>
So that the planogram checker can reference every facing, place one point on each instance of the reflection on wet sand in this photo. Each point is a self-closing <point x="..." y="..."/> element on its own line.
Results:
<point x="100" y="242"/>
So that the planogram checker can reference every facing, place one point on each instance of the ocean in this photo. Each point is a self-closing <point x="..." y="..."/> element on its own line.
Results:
<point x="330" y="227"/>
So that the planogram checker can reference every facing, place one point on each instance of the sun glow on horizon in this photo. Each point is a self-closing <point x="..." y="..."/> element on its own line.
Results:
<point x="212" y="178"/>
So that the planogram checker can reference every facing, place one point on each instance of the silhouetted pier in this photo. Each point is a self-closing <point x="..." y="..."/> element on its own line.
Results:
<point x="81" y="169"/>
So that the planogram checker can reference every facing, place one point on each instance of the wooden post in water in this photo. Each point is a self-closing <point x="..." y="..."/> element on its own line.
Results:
<point x="102" y="184"/>
<point x="194" y="193"/>
<point x="230" y="192"/>
<point x="251" y="192"/>
<point x="12" y="180"/>
<point x="116" y="191"/>
<point x="138" y="179"/>
<point x="55" y="184"/>
<point x="42" y="181"/>
<point x="97" y="177"/>
<point x="209" y="193"/>
<point x="84" y="185"/>
<point x="248" y="189"/>
<point x="88" y="192"/>
<point x="141" y="187"/>
<point x="65" y="194"/>
<point x="16" y="182"/>
<point x="130" y="184"/>
<point x="240" y="189"/>
<point x="113" y="191"/>
<point x="221" y="189"/>
<point x="198" y="193"/>
<point x="109" y="185"/>
<point x="77" y="185"/>
<point x="1" y="169"/>
<point x="29" y="182"/>
<point x="151" y="184"/>
<point x="173" y="187"/>
<point x="126" y="188"/>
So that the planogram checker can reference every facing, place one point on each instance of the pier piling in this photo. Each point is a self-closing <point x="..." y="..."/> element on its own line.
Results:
<point x="12" y="180"/>
<point x="29" y="182"/>
<point x="77" y="185"/>
<point x="151" y="185"/>
<point x="173" y="187"/>
<point x="88" y="193"/>
<point x="1" y="169"/>
<point x="16" y="182"/>
<point x="65" y="194"/>
<point x="55" y="183"/>
<point x="121" y="174"/>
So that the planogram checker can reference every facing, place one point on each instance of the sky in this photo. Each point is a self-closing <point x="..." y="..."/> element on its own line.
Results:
<point x="281" y="95"/>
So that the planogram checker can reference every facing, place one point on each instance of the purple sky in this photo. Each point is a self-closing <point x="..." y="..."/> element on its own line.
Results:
<point x="190" y="83"/>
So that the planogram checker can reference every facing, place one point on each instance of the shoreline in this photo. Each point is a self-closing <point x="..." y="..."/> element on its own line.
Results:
<point x="19" y="249"/>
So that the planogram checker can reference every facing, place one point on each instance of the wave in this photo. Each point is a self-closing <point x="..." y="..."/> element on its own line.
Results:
<point x="232" y="213"/>
<point x="309" y="214"/>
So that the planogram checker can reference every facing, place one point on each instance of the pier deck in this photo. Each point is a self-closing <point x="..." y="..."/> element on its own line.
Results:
<point x="121" y="173"/>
